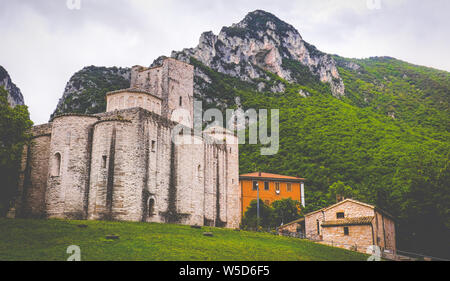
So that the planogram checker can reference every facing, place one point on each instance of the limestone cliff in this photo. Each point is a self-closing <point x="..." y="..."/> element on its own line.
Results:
<point x="15" y="96"/>
<point x="259" y="43"/>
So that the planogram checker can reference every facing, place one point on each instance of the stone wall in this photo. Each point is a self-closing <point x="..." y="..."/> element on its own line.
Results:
<point x="123" y="99"/>
<point x="123" y="165"/>
<point x="180" y="95"/>
<point x="210" y="185"/>
<point x="290" y="228"/>
<point x="384" y="231"/>
<point x="358" y="239"/>
<point x="69" y="162"/>
<point x="389" y="226"/>
<point x="34" y="172"/>
<point x="311" y="229"/>
<point x="350" y="210"/>
<point x="148" y="79"/>
<point x="205" y="189"/>
<point x="173" y="82"/>
<point x="159" y="167"/>
<point x="190" y="179"/>
<point x="233" y="199"/>
<point x="117" y="172"/>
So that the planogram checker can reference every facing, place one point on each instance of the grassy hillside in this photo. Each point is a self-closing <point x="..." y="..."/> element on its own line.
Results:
<point x="48" y="240"/>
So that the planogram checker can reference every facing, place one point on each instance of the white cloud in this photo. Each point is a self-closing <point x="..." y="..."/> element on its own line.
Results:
<point x="44" y="43"/>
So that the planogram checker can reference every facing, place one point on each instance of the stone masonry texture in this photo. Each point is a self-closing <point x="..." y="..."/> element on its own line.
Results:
<point x="379" y="232"/>
<point x="123" y="165"/>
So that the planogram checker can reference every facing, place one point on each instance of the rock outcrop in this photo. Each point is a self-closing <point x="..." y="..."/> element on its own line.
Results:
<point x="15" y="96"/>
<point x="259" y="43"/>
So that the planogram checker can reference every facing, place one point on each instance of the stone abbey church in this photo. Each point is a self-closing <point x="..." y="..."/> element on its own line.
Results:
<point x="123" y="165"/>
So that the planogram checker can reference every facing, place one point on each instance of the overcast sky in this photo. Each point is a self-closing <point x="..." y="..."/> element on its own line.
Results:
<point x="44" y="42"/>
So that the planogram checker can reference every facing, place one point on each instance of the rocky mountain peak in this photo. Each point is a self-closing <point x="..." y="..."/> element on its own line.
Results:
<point x="15" y="96"/>
<point x="260" y="20"/>
<point x="262" y="42"/>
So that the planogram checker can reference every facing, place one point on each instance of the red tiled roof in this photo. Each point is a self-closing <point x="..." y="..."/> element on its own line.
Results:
<point x="349" y="221"/>
<point x="268" y="176"/>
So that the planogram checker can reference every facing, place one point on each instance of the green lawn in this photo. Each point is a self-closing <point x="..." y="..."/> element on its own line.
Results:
<point x="49" y="239"/>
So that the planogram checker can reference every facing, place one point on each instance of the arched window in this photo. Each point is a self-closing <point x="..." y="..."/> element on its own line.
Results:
<point x="56" y="165"/>
<point x="181" y="101"/>
<point x="199" y="172"/>
<point x="121" y="103"/>
<point x="151" y="206"/>
<point x="104" y="160"/>
<point x="131" y="102"/>
<point x="115" y="103"/>
<point x="112" y="103"/>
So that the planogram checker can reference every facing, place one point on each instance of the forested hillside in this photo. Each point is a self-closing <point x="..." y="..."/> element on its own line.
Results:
<point x="417" y="95"/>
<point x="86" y="89"/>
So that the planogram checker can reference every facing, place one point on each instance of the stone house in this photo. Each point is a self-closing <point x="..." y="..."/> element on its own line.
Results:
<point x="352" y="225"/>
<point x="131" y="163"/>
<point x="348" y="224"/>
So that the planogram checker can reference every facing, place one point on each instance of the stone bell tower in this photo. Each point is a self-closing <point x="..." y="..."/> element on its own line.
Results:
<point x="173" y="83"/>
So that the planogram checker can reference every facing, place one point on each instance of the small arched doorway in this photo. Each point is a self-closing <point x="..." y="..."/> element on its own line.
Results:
<point x="56" y="167"/>
<point x="151" y="206"/>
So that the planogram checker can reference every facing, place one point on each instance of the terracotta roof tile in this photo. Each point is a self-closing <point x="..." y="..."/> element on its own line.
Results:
<point x="269" y="175"/>
<point x="353" y="201"/>
<point x="348" y="221"/>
